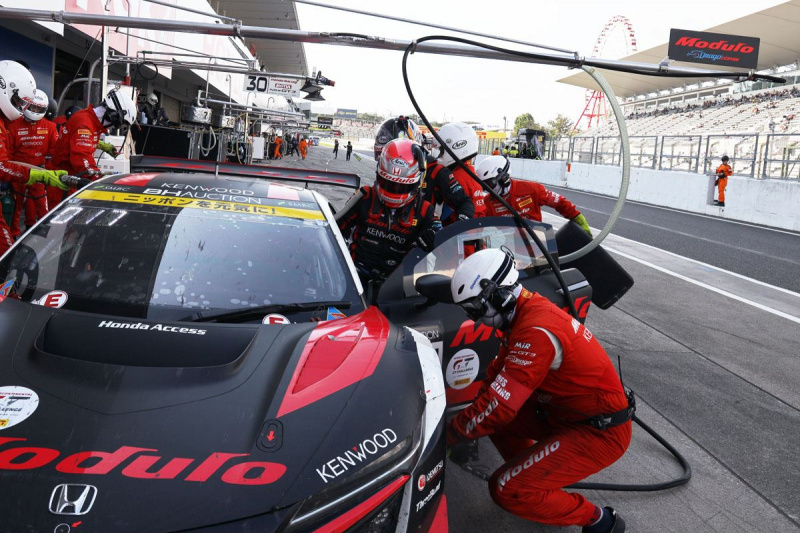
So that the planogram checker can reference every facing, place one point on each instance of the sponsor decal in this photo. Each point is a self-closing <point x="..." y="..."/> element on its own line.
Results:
<point x="424" y="479"/>
<point x="424" y="501"/>
<point x="470" y="333"/>
<point x="275" y="318"/>
<point x="84" y="131"/>
<point x="138" y="463"/>
<point x="575" y="326"/>
<point x="16" y="405"/>
<point x="361" y="453"/>
<point x="150" y="327"/>
<point x="714" y="48"/>
<point x="2" y="83"/>
<point x="475" y="281"/>
<point x="53" y="299"/>
<point x="480" y="417"/>
<point x="375" y="232"/>
<point x="523" y="203"/>
<point x="41" y="131"/>
<point x="433" y="332"/>
<point x="462" y="368"/>
<point x="459" y="144"/>
<point x="534" y="458"/>
<point x="514" y="360"/>
<point x="522" y="345"/>
<point x="499" y="387"/>
<point x="199" y="192"/>
<point x="5" y="289"/>
<point x="189" y="203"/>
<point x="335" y="314"/>
<point x="399" y="162"/>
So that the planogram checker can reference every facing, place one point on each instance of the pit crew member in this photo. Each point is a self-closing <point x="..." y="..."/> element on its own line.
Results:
<point x="80" y="136"/>
<point x="463" y="141"/>
<point x="17" y="91"/>
<point x="526" y="197"/>
<point x="723" y="173"/>
<point x="391" y="217"/>
<point x="31" y="140"/>
<point x="551" y="402"/>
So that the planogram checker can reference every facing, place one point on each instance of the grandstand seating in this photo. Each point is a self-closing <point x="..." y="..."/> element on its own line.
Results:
<point x="768" y="111"/>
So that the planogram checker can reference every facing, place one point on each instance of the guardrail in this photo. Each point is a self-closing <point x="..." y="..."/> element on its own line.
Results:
<point x="771" y="156"/>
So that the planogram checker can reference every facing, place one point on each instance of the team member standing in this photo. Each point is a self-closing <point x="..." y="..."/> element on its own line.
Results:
<point x="723" y="173"/>
<point x="17" y="91"/>
<point x="81" y="134"/>
<point x="303" y="145"/>
<point x="526" y="197"/>
<point x="277" y="152"/>
<point x="31" y="140"/>
<point x="349" y="150"/>
<point x="336" y="148"/>
<point x="463" y="141"/>
<point x="551" y="401"/>
<point x="388" y="219"/>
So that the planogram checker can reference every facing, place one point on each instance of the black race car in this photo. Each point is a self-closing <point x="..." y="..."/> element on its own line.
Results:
<point x="194" y="352"/>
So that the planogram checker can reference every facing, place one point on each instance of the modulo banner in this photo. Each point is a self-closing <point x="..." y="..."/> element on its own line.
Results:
<point x="713" y="48"/>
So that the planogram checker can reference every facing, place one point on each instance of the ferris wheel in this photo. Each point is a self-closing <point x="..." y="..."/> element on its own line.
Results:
<point x="617" y="39"/>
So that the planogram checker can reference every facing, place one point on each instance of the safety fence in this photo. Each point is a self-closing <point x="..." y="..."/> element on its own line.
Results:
<point x="771" y="156"/>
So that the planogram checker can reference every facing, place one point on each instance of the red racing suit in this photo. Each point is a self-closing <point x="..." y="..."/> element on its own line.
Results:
<point x="440" y="186"/>
<point x="32" y="143"/>
<point x="11" y="173"/>
<point x="382" y="237"/>
<point x="79" y="137"/>
<point x="551" y="375"/>
<point x="528" y="197"/>
<point x="472" y="189"/>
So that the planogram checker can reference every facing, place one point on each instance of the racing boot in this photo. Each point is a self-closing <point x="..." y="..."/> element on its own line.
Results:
<point x="609" y="522"/>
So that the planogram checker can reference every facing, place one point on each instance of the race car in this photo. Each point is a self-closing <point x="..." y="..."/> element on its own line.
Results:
<point x="193" y="352"/>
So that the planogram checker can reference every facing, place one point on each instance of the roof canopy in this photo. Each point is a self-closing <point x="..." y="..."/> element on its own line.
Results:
<point x="778" y="28"/>
<point x="277" y="56"/>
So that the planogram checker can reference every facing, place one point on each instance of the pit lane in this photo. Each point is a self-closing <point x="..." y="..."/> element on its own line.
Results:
<point x="713" y="365"/>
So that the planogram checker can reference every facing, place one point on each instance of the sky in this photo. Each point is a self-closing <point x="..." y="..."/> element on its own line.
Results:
<point x="481" y="90"/>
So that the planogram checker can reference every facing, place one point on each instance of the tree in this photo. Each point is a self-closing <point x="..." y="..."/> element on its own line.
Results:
<point x="370" y="117"/>
<point x="560" y="126"/>
<point x="415" y="118"/>
<point x="525" y="120"/>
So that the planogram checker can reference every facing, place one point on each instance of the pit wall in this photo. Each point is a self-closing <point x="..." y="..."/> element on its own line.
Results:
<point x="774" y="203"/>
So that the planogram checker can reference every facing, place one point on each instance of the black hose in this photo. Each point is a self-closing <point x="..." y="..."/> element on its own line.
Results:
<point x="517" y="217"/>
<point x="478" y="471"/>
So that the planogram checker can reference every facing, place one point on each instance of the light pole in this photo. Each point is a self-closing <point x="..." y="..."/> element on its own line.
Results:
<point x="505" y="124"/>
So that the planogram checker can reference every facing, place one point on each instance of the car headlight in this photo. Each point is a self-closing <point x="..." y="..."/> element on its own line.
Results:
<point x="367" y="499"/>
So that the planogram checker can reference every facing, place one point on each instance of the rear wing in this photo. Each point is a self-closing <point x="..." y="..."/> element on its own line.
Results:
<point x="151" y="163"/>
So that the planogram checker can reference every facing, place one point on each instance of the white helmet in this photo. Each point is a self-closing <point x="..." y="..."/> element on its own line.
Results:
<point x="17" y="89"/>
<point x="120" y="109"/>
<point x="461" y="139"/>
<point x="483" y="285"/>
<point x="494" y="171"/>
<point x="36" y="110"/>
<point x="152" y="99"/>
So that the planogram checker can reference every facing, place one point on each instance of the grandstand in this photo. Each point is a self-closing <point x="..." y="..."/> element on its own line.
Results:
<point x="688" y="124"/>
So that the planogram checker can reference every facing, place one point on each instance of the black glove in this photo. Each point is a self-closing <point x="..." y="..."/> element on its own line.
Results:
<point x="425" y="239"/>
<point x="716" y="181"/>
<point x="463" y="452"/>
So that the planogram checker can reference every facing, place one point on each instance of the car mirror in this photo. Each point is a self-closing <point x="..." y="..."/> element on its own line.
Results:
<point x="435" y="287"/>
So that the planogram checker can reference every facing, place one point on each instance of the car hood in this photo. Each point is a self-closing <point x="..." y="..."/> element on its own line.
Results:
<point x="175" y="426"/>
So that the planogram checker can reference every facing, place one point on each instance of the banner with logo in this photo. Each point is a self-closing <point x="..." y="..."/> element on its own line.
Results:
<point x="713" y="48"/>
<point x="325" y="120"/>
<point x="261" y="83"/>
<point x="346" y="113"/>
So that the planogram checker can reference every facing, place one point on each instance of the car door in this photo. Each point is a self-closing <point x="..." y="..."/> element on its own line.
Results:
<point x="464" y="347"/>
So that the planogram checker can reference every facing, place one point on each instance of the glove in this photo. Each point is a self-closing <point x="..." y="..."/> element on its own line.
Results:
<point x="581" y="221"/>
<point x="425" y="239"/>
<point x="464" y="452"/>
<point x="48" y="177"/>
<point x="463" y="217"/>
<point x="108" y="148"/>
<point x="716" y="181"/>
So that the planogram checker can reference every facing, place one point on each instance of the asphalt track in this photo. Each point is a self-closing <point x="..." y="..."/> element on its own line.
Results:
<point x="708" y="338"/>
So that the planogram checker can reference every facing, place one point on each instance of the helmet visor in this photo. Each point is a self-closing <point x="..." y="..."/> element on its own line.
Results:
<point x="37" y="109"/>
<point x="19" y="103"/>
<point x="393" y="187"/>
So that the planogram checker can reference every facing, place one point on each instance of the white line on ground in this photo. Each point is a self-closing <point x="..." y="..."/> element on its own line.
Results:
<point x="709" y="287"/>
<point x="679" y="211"/>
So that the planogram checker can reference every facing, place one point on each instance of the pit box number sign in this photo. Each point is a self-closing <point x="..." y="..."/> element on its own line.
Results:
<point x="257" y="83"/>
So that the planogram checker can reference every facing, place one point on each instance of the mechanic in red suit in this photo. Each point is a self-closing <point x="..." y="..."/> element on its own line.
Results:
<point x="390" y="218"/>
<point x="31" y="140"/>
<point x="80" y="136"/>
<point x="551" y="402"/>
<point x="527" y="197"/>
<point x="17" y="91"/>
<point x="463" y="141"/>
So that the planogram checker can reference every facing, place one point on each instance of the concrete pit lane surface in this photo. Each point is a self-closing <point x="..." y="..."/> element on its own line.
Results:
<point x="708" y="339"/>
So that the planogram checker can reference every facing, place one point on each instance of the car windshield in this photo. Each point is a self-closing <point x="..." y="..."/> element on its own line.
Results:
<point x="158" y="261"/>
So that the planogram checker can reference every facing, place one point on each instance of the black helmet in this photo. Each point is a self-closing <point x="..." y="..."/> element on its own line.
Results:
<point x="725" y="158"/>
<point x="52" y="109"/>
<point x="71" y="110"/>
<point x="396" y="128"/>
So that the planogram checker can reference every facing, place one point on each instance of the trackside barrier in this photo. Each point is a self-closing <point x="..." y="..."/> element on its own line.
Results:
<point x="759" y="201"/>
<point x="741" y="149"/>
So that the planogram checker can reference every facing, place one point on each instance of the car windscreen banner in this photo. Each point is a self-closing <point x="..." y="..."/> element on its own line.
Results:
<point x="713" y="48"/>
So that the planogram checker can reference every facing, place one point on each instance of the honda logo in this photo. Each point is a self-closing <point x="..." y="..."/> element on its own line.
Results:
<point x="68" y="499"/>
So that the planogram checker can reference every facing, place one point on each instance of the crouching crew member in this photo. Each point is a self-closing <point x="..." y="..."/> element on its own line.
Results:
<point x="31" y="140"/>
<point x="527" y="197"/>
<point x="551" y="402"/>
<point x="390" y="218"/>
<point x="17" y="92"/>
